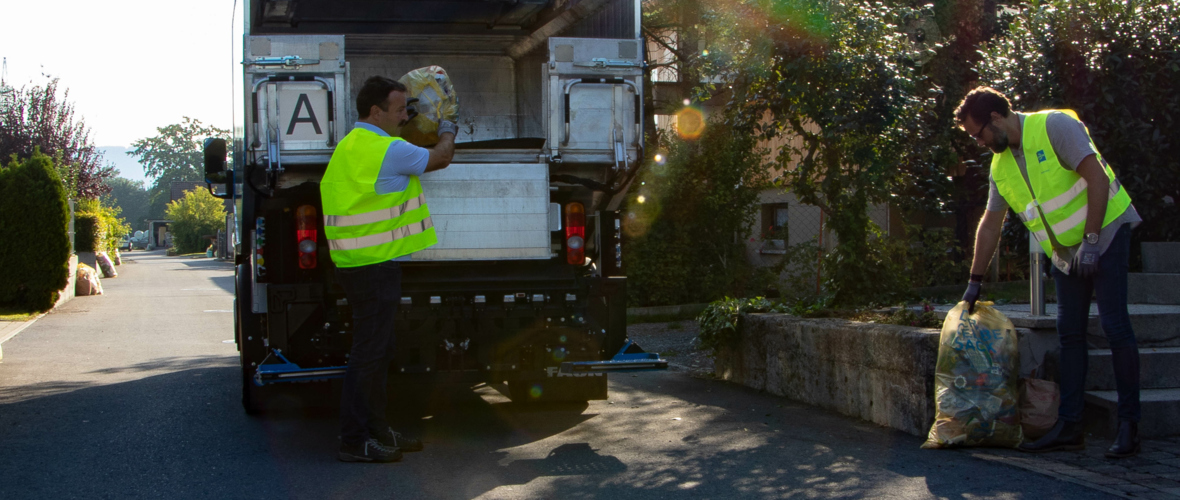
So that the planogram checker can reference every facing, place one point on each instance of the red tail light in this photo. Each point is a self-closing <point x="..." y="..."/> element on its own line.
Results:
<point x="575" y="233"/>
<point x="305" y="236"/>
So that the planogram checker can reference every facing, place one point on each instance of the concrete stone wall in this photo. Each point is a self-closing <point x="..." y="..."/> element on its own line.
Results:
<point x="880" y="373"/>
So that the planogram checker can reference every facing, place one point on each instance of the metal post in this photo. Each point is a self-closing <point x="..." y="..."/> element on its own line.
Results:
<point x="1036" y="283"/>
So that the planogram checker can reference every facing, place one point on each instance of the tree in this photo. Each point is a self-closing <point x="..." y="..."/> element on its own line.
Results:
<point x="1115" y="64"/>
<point x="131" y="198"/>
<point x="687" y="219"/>
<point x="834" y="75"/>
<point x="36" y="118"/>
<point x="195" y="216"/>
<point x="176" y="153"/>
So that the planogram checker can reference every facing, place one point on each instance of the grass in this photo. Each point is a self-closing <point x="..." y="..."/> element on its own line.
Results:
<point x="8" y="313"/>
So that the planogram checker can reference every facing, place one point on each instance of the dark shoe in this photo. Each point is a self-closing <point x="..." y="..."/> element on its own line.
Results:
<point x="369" y="451"/>
<point x="1063" y="436"/>
<point x="395" y="439"/>
<point x="1126" y="443"/>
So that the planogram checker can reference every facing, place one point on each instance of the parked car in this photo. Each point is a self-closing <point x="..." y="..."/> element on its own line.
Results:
<point x="125" y="244"/>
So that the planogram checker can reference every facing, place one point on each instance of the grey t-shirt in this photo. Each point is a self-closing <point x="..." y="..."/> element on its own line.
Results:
<point x="1071" y="143"/>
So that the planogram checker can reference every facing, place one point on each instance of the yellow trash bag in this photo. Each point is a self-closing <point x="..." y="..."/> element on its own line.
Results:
<point x="436" y="101"/>
<point x="976" y="381"/>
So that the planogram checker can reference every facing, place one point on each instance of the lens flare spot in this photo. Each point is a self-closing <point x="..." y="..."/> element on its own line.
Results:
<point x="705" y="53"/>
<point x="559" y="354"/>
<point x="690" y="123"/>
<point x="687" y="102"/>
<point x="535" y="391"/>
<point x="641" y="199"/>
<point x="659" y="159"/>
<point x="562" y="338"/>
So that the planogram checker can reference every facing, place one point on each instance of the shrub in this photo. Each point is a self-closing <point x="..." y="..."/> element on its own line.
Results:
<point x="195" y="216"/>
<point x="685" y="238"/>
<point x="721" y="320"/>
<point x="98" y="227"/>
<point x="88" y="233"/>
<point x="34" y="222"/>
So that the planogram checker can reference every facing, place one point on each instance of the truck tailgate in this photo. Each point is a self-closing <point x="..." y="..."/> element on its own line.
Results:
<point x="488" y="211"/>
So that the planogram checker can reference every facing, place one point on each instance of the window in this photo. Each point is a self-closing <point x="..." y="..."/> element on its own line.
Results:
<point x="774" y="221"/>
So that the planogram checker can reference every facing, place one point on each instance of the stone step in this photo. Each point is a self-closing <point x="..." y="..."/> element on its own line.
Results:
<point x="1160" y="257"/>
<point x="1154" y="325"/>
<point x="1153" y="288"/>
<point x="1158" y="369"/>
<point x="1160" y="408"/>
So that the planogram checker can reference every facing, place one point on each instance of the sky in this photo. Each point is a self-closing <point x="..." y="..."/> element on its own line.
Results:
<point x="130" y="65"/>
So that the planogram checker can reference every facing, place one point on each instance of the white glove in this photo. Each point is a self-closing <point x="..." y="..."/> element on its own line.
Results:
<point x="447" y="127"/>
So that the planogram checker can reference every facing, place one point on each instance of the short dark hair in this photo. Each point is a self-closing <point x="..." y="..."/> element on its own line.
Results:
<point x="375" y="92"/>
<point x="979" y="105"/>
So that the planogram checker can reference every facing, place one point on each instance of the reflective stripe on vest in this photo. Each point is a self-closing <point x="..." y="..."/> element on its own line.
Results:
<point x="1060" y="200"/>
<point x="376" y="215"/>
<point x="380" y="238"/>
<point x="361" y="226"/>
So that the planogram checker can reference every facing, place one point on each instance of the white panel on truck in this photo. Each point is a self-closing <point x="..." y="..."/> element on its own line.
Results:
<point x="488" y="211"/>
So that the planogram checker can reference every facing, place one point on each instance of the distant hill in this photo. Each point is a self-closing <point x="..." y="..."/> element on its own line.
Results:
<point x="126" y="164"/>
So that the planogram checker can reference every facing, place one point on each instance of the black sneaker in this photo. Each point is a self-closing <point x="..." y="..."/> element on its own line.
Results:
<point x="369" y="451"/>
<point x="395" y="439"/>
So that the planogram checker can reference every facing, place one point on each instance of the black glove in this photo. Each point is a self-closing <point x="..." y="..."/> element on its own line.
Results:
<point x="972" y="295"/>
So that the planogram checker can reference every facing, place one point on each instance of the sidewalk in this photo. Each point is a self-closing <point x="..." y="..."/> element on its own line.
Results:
<point x="9" y="329"/>
<point x="1154" y="473"/>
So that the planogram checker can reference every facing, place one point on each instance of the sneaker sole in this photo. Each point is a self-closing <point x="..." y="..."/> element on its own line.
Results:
<point x="349" y="457"/>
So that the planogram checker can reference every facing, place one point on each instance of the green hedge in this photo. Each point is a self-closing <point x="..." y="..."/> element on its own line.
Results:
<point x="87" y="233"/>
<point x="34" y="224"/>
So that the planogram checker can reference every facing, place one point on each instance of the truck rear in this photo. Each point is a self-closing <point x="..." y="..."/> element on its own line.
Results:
<point x="526" y="284"/>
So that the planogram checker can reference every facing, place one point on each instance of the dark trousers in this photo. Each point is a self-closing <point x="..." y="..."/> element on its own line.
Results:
<point x="1073" y="314"/>
<point x="374" y="293"/>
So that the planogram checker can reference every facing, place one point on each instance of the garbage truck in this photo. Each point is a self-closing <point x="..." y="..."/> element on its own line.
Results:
<point x="526" y="287"/>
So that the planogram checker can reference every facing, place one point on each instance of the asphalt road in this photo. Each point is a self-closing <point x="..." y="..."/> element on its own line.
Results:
<point x="135" y="394"/>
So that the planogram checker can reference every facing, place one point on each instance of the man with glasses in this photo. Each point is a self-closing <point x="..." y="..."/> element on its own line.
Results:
<point x="1048" y="170"/>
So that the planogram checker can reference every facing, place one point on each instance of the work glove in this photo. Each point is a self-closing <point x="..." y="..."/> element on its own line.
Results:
<point x="447" y="127"/>
<point x="972" y="295"/>
<point x="1086" y="261"/>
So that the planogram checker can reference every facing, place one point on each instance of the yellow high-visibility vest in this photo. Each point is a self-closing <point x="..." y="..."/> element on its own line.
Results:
<point x="1055" y="210"/>
<point x="363" y="227"/>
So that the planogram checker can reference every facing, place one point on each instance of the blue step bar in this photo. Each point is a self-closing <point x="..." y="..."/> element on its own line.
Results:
<point x="623" y="361"/>
<point x="291" y="372"/>
<point x="634" y="361"/>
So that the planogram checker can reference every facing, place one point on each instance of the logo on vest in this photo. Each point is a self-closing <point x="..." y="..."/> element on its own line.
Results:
<point x="1041" y="156"/>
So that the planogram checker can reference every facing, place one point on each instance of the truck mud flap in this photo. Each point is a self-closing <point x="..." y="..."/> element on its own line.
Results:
<point x="286" y="371"/>
<point x="631" y="358"/>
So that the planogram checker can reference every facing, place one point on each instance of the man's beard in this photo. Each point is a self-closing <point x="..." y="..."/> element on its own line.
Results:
<point x="999" y="140"/>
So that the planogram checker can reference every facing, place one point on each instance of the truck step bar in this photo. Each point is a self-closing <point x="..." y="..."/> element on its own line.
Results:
<point x="291" y="372"/>
<point x="631" y="358"/>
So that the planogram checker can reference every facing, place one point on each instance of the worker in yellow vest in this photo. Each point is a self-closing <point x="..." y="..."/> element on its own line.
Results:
<point x="1047" y="169"/>
<point x="375" y="216"/>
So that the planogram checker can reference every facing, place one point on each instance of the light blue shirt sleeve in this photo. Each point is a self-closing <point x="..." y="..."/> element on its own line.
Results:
<point x="402" y="160"/>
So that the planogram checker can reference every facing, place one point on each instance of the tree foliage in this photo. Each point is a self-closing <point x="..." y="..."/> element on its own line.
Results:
<point x="34" y="221"/>
<point x="197" y="215"/>
<point x="36" y="118"/>
<point x="175" y="154"/>
<point x="687" y="219"/>
<point x="108" y="225"/>
<point x="132" y="199"/>
<point x="1118" y="65"/>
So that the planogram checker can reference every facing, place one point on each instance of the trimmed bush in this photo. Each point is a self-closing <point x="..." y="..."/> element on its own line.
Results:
<point x="195" y="216"/>
<point x="87" y="233"/>
<point x="34" y="222"/>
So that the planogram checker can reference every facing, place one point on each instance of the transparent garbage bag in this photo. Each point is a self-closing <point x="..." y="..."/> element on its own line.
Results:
<point x="976" y="380"/>
<point x="436" y="101"/>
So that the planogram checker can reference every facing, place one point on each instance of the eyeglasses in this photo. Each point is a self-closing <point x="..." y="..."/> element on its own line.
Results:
<point x="979" y="135"/>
